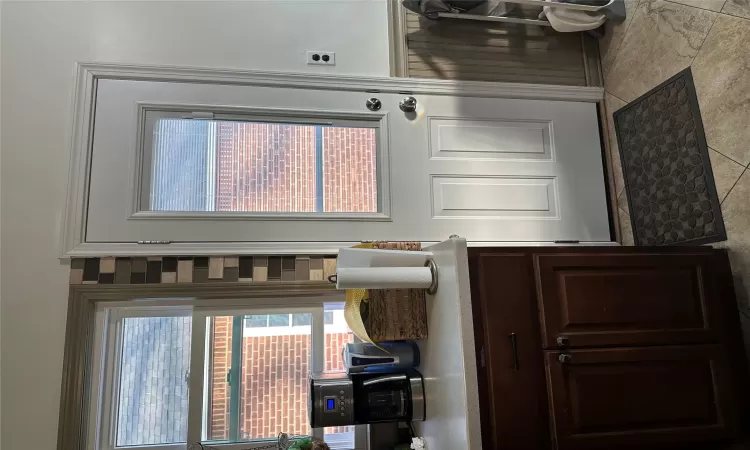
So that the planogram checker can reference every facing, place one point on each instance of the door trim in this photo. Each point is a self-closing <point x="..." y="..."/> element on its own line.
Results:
<point x="397" y="39"/>
<point x="88" y="75"/>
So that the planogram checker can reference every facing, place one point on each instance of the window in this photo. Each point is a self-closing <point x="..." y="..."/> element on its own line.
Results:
<point x="231" y="377"/>
<point x="331" y="317"/>
<point x="252" y="166"/>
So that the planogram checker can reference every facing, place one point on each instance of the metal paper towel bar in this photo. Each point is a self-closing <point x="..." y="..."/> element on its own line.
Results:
<point x="433" y="271"/>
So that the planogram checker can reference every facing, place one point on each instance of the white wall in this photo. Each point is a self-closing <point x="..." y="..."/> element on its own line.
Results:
<point x="40" y="43"/>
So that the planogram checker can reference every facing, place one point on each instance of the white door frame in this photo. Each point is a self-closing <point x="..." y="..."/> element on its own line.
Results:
<point x="88" y="75"/>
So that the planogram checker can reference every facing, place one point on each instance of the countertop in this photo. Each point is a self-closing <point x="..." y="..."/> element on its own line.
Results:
<point x="448" y="356"/>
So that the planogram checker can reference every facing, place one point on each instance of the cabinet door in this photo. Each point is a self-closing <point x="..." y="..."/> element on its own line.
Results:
<point x="630" y="397"/>
<point x="510" y="358"/>
<point x="627" y="299"/>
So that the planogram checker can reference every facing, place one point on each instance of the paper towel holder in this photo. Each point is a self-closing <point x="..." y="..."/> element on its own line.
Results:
<point x="432" y="290"/>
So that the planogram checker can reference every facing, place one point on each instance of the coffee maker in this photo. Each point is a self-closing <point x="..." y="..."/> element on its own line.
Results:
<point x="338" y="399"/>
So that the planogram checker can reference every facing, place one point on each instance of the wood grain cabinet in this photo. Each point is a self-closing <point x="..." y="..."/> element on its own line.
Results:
<point x="604" y="348"/>
<point x="636" y="396"/>
<point x="595" y="300"/>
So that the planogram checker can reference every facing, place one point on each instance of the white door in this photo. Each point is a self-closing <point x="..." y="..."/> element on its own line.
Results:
<point x="186" y="162"/>
<point x="504" y="169"/>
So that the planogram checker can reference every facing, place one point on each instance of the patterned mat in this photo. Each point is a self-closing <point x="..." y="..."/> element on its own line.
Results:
<point x="668" y="179"/>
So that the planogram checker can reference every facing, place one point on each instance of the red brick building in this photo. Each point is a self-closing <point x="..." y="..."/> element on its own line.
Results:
<point x="274" y="386"/>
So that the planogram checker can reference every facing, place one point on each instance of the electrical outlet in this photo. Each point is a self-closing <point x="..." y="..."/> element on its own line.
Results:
<point x="321" y="58"/>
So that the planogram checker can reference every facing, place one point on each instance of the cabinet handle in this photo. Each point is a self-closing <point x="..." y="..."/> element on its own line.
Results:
<point x="562" y="341"/>
<point x="514" y="349"/>
<point x="565" y="358"/>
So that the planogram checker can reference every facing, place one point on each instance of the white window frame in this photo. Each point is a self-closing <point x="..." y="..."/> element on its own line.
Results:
<point x="337" y="326"/>
<point x="106" y="361"/>
<point x="149" y="114"/>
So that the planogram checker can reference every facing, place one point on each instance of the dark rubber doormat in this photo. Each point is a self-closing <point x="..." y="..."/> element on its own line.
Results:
<point x="668" y="178"/>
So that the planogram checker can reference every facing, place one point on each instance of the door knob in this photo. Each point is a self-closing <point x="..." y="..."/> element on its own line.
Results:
<point x="407" y="105"/>
<point x="373" y="104"/>
<point x="562" y="341"/>
<point x="565" y="358"/>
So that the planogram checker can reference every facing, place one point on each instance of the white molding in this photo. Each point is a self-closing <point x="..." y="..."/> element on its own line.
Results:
<point x="397" y="39"/>
<point x="88" y="74"/>
<point x="96" y="249"/>
<point x="76" y="200"/>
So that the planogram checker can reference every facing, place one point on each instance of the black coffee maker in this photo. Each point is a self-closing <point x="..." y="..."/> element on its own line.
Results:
<point x="362" y="398"/>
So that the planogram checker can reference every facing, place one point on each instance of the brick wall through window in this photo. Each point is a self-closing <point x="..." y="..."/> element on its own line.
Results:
<point x="274" y="389"/>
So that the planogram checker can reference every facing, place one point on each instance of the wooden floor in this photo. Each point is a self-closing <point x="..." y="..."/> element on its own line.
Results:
<point x="486" y="51"/>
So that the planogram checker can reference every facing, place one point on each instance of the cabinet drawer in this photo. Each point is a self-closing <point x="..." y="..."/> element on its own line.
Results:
<point x="632" y="397"/>
<point x="627" y="299"/>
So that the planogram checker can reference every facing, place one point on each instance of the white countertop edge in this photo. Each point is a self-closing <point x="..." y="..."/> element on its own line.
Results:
<point x="473" y="425"/>
<point x="448" y="356"/>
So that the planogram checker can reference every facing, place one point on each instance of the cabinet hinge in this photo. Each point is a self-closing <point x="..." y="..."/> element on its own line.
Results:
<point x="154" y="242"/>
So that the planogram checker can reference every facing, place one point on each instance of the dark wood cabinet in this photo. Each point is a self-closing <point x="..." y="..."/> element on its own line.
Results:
<point x="594" y="300"/>
<point x="637" y="396"/>
<point x="510" y="363"/>
<point x="602" y="348"/>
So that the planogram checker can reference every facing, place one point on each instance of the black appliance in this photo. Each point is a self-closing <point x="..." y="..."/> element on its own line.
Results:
<point x="337" y="399"/>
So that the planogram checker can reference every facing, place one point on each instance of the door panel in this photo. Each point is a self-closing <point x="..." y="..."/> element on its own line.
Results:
<point x="628" y="397"/>
<point x="513" y="170"/>
<point x="514" y="408"/>
<point x="634" y="299"/>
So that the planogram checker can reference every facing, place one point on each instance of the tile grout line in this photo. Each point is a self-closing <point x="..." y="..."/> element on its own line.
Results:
<point x="721" y="202"/>
<point x="698" y="7"/>
<point x="618" y="98"/>
<point x="716" y="19"/>
<point x="624" y="35"/>
<point x="727" y="157"/>
<point x="731" y="15"/>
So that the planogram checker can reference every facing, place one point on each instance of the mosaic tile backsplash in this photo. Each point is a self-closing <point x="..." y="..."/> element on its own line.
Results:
<point x="200" y="269"/>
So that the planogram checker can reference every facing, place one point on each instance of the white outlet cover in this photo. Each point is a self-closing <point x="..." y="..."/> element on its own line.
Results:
<point x="331" y="58"/>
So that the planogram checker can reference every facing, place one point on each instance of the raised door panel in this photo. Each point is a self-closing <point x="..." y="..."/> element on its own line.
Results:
<point x="627" y="299"/>
<point x="633" y="397"/>
<point x="510" y="358"/>
<point x="504" y="170"/>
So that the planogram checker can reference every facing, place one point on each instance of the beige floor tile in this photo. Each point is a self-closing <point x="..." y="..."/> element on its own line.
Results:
<point x="722" y="80"/>
<point x="726" y="172"/>
<point x="626" y="230"/>
<point x="739" y="8"/>
<point x="612" y="104"/>
<point x="713" y="5"/>
<point x="614" y="35"/>
<point x="622" y="202"/>
<point x="736" y="212"/>
<point x="663" y="39"/>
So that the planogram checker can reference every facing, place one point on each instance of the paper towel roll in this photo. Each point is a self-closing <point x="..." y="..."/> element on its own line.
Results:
<point x="383" y="278"/>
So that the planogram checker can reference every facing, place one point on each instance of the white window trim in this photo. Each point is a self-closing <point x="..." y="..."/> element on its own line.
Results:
<point x="150" y="113"/>
<point x="338" y="326"/>
<point x="106" y="397"/>
<point x="88" y="74"/>
<point x="106" y="361"/>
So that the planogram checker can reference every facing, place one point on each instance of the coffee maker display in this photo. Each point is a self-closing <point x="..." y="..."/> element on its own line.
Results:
<point x="361" y="398"/>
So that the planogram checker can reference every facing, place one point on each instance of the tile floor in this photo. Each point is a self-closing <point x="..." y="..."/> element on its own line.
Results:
<point x="658" y="39"/>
